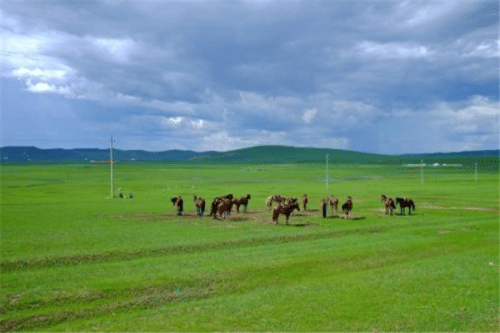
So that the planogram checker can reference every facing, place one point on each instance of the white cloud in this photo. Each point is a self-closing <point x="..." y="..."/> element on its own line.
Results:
<point x="390" y="50"/>
<point x="309" y="115"/>
<point x="44" y="74"/>
<point x="118" y="49"/>
<point x="484" y="49"/>
<point x="222" y="141"/>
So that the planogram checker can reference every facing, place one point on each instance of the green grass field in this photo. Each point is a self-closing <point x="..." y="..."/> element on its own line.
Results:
<point x="74" y="259"/>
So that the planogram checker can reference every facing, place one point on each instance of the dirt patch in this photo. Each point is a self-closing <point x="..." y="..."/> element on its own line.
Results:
<point x="482" y="209"/>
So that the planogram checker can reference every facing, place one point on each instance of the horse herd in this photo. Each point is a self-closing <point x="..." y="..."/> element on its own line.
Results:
<point x="222" y="205"/>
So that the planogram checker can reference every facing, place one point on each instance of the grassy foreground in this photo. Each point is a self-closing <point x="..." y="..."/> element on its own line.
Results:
<point x="73" y="259"/>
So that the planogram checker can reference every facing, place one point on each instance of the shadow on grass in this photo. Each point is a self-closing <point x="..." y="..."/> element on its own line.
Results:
<point x="355" y="218"/>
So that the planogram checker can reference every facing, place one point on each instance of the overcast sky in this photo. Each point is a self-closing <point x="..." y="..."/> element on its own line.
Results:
<point x="384" y="77"/>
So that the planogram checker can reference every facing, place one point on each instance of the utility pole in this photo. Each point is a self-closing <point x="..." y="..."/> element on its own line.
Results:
<point x="111" y="163"/>
<point x="422" y="171"/>
<point x="327" y="171"/>
<point x="475" y="173"/>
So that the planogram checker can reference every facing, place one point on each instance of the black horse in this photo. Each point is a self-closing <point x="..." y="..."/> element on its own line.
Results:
<point x="347" y="207"/>
<point x="405" y="203"/>
<point x="179" y="203"/>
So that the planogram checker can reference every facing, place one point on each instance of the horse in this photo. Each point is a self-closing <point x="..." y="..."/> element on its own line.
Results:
<point x="290" y="200"/>
<point x="179" y="203"/>
<point x="200" y="205"/>
<point x="224" y="207"/>
<point x="213" y="208"/>
<point x="216" y="202"/>
<point x="277" y="198"/>
<point x="330" y="200"/>
<point x="305" y="200"/>
<point x="334" y="202"/>
<point x="347" y="207"/>
<point x="242" y="201"/>
<point x="389" y="204"/>
<point x="324" y="207"/>
<point x="285" y="210"/>
<point x="404" y="203"/>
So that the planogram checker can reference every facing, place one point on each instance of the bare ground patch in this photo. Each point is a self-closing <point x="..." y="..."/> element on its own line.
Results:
<point x="482" y="209"/>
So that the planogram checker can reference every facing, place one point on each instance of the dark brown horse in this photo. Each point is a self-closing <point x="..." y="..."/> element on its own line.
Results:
<point x="389" y="204"/>
<point x="274" y="198"/>
<point x="243" y="201"/>
<point x="305" y="200"/>
<point x="285" y="210"/>
<point x="324" y="207"/>
<point x="213" y="209"/>
<point x="216" y="202"/>
<point x="179" y="203"/>
<point x="200" y="205"/>
<point x="347" y="207"/>
<point x="405" y="203"/>
<point x="224" y="208"/>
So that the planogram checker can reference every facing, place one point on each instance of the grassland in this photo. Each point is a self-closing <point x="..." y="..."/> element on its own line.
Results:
<point x="74" y="259"/>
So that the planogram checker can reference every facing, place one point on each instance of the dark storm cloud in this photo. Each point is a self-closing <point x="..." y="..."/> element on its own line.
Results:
<point x="225" y="75"/>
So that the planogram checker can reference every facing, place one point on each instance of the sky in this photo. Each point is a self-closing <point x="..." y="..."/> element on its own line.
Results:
<point x="387" y="77"/>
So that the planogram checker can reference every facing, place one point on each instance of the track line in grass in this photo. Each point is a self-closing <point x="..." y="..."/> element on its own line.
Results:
<point x="28" y="264"/>
<point x="222" y="283"/>
<point x="7" y="266"/>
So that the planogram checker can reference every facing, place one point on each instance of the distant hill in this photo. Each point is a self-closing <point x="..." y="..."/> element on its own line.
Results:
<point x="33" y="154"/>
<point x="258" y="154"/>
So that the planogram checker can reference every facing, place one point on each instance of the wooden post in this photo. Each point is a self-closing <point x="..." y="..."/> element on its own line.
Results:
<point x="326" y="171"/>
<point x="111" y="165"/>
<point x="475" y="174"/>
<point x="422" y="172"/>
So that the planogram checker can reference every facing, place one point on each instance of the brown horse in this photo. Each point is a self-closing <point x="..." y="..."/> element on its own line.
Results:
<point x="330" y="200"/>
<point x="347" y="207"/>
<point x="274" y="198"/>
<point x="224" y="208"/>
<point x="216" y="202"/>
<point x="333" y="202"/>
<point x="305" y="200"/>
<point x="285" y="210"/>
<point x="179" y="203"/>
<point x="200" y="205"/>
<point x="243" y="201"/>
<point x="405" y="203"/>
<point x="389" y="204"/>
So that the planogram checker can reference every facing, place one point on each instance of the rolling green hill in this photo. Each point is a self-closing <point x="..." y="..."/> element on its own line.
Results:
<point x="257" y="155"/>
